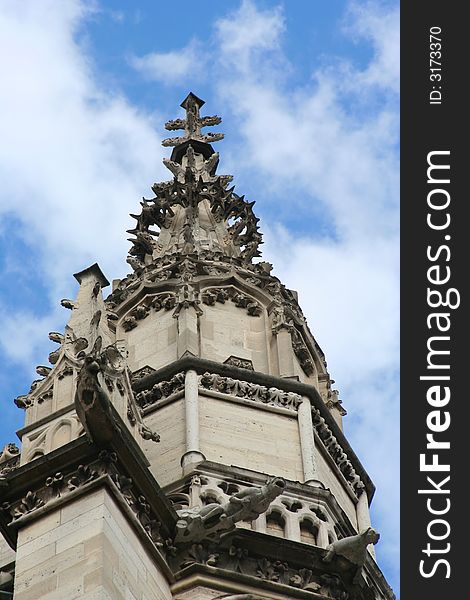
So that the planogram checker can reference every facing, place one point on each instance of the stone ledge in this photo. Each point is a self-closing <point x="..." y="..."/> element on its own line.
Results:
<point x="253" y="561"/>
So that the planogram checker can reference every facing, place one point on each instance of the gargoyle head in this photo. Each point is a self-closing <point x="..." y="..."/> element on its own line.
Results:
<point x="275" y="486"/>
<point x="371" y="536"/>
<point x="92" y="365"/>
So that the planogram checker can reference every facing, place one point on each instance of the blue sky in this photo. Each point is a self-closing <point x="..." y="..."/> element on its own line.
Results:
<point x="308" y="93"/>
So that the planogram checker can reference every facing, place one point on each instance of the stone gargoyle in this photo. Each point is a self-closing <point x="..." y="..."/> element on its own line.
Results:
<point x="212" y="520"/>
<point x="353" y="548"/>
<point x="92" y="403"/>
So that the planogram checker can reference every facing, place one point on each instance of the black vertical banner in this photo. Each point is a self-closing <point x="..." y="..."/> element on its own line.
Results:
<point x="435" y="252"/>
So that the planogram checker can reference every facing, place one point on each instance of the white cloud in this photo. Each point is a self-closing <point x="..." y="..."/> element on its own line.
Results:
<point x="173" y="67"/>
<point x="382" y="28"/>
<point x="246" y="33"/>
<point x="72" y="158"/>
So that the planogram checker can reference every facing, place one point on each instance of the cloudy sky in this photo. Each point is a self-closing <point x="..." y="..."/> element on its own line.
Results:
<point x="308" y="92"/>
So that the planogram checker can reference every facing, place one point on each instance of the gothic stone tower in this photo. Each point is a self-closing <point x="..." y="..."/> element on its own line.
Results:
<point x="186" y="443"/>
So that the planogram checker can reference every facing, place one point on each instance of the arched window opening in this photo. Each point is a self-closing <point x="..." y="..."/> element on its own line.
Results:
<point x="308" y="533"/>
<point x="275" y="524"/>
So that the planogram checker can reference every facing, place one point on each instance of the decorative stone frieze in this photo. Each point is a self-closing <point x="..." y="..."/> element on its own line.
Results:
<point x="221" y="294"/>
<point x="141" y="373"/>
<point x="302" y="352"/>
<point x="336" y="452"/>
<point x="241" y="363"/>
<point x="278" y="573"/>
<point x="58" y="486"/>
<point x="251" y="391"/>
<point x="160" y="391"/>
<point x="157" y="302"/>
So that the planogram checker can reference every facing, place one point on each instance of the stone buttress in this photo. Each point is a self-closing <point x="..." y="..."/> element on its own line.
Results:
<point x="186" y="441"/>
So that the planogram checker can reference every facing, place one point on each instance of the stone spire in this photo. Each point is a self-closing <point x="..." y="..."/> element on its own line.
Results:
<point x="196" y="212"/>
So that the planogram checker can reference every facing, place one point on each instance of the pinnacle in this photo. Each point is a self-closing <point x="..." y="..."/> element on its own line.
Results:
<point x="196" y="212"/>
<point x="192" y="124"/>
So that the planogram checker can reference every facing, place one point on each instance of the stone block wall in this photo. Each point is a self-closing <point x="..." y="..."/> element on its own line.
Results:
<point x="88" y="550"/>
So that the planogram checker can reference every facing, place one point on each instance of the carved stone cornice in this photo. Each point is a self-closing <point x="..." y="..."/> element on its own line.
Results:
<point x="64" y="474"/>
<point x="241" y="363"/>
<point x="336" y="452"/>
<point x="289" y="568"/>
<point x="222" y="294"/>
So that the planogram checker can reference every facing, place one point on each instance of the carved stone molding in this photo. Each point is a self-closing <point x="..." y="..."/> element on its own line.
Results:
<point x="302" y="352"/>
<point x="57" y="487"/>
<point x="241" y="363"/>
<point x="279" y="574"/>
<point x="140" y="373"/>
<point x="251" y="391"/>
<point x="160" y="391"/>
<point x="157" y="302"/>
<point x="336" y="452"/>
<point x="221" y="294"/>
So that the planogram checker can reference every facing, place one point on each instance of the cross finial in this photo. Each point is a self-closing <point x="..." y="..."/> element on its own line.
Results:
<point x="192" y="124"/>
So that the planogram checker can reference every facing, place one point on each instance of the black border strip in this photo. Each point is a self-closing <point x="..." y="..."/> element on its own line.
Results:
<point x="433" y="120"/>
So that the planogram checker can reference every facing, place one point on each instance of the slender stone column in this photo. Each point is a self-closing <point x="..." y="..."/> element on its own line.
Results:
<point x="363" y="518"/>
<point x="292" y="527"/>
<point x="285" y="353"/>
<point x="323" y="540"/>
<point x="260" y="523"/>
<point x="193" y="455"/>
<point x="307" y="441"/>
